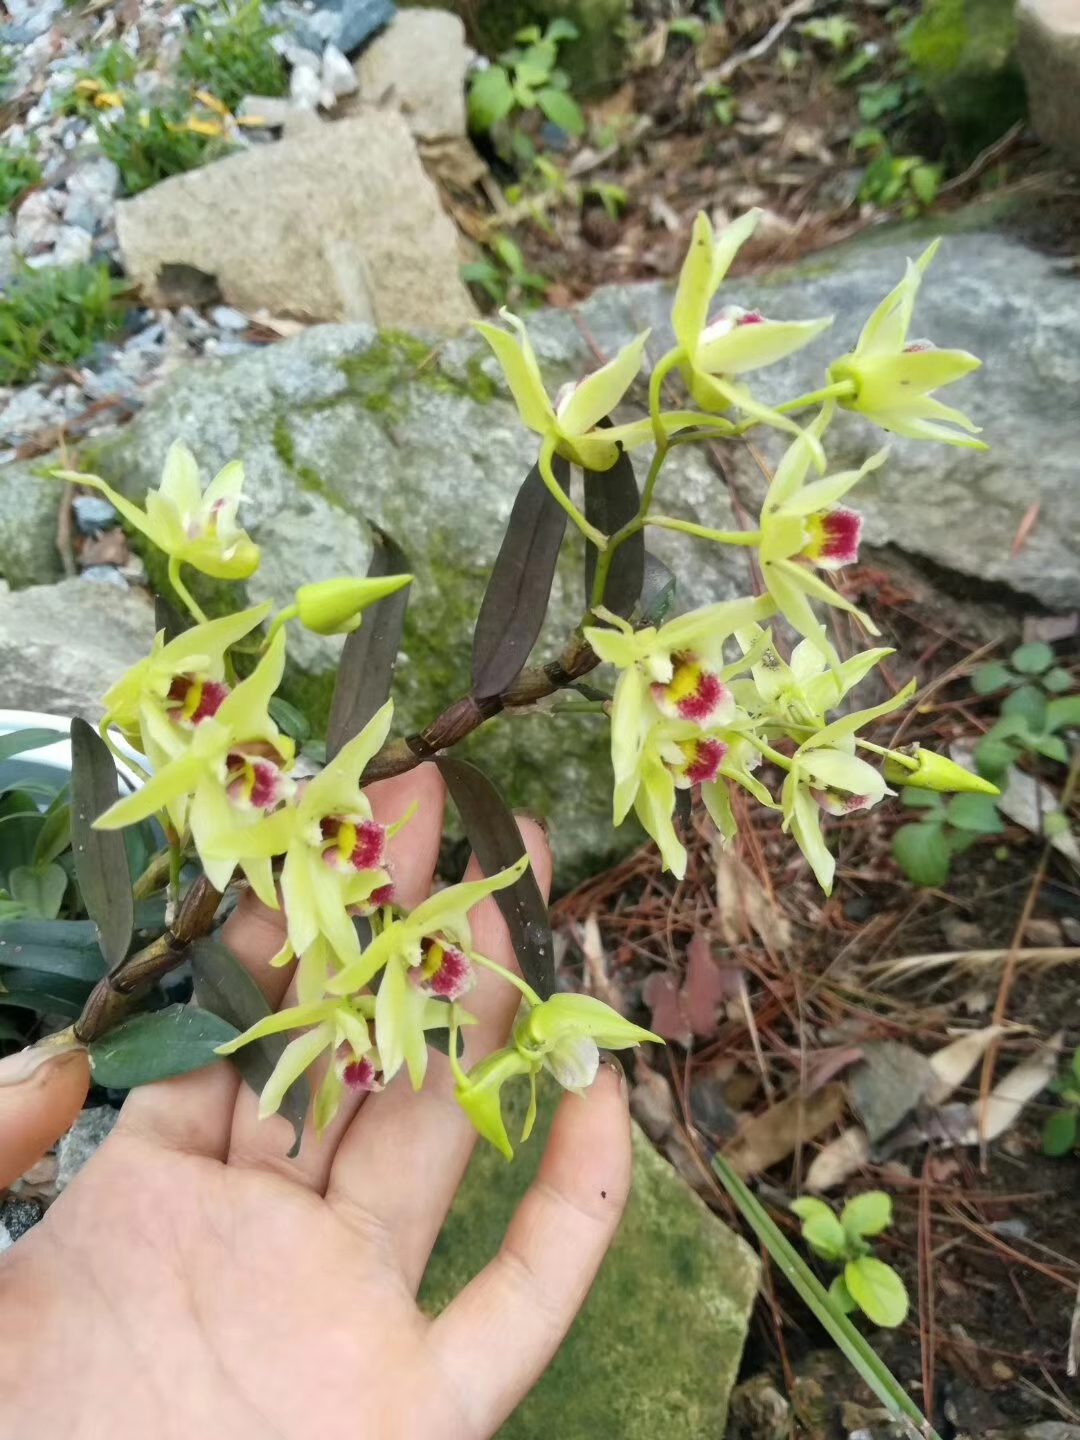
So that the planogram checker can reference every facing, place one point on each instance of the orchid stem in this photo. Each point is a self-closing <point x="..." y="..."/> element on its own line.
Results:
<point x="721" y="537"/>
<point x="547" y="474"/>
<point x="905" y="760"/>
<point x="526" y="989"/>
<point x="660" y="372"/>
<point x="840" y="390"/>
<point x="182" y="590"/>
<point x="289" y="613"/>
<point x="603" y="563"/>
<point x="783" y="761"/>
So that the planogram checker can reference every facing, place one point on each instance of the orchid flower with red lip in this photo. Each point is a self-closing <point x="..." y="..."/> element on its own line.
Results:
<point x="803" y="528"/>
<point x="798" y="693"/>
<point x="890" y="379"/>
<point x="713" y="354"/>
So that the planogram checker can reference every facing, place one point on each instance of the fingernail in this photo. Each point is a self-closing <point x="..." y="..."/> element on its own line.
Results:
<point x="25" y="1064"/>
<point x="609" y="1059"/>
<point x="537" y="820"/>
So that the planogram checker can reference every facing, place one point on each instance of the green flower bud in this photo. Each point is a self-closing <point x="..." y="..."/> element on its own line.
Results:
<point x="566" y="1017"/>
<point x="334" y="607"/>
<point x="935" y="772"/>
<point x="479" y="1095"/>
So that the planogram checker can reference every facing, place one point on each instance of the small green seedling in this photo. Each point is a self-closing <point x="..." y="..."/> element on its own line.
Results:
<point x="18" y="171"/>
<point x="905" y="181"/>
<point x="866" y="1283"/>
<point x="949" y="825"/>
<point x="1059" y="1132"/>
<point x="834" y="31"/>
<point x="504" y="276"/>
<point x="231" y="55"/>
<point x="525" y="78"/>
<point x="1034" y="712"/>
<point x="55" y="316"/>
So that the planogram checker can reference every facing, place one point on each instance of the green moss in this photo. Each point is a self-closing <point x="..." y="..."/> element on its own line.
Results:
<point x="963" y="51"/>
<point x="283" y="442"/>
<point x="379" y="377"/>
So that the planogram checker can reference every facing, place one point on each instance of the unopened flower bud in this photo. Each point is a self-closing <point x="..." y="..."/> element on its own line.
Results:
<point x="565" y="1017"/>
<point x="935" y="772"/>
<point x="334" y="607"/>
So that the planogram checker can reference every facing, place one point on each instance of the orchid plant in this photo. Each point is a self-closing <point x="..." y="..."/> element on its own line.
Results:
<point x="711" y="701"/>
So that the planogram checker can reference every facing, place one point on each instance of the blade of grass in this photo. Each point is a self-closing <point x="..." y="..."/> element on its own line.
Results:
<point x="855" y="1347"/>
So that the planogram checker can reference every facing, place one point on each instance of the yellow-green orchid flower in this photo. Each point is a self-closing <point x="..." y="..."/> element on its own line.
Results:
<point x="713" y="354"/>
<point x="334" y="850"/>
<point x="802" y="528"/>
<point x="182" y="681"/>
<point x="193" y="527"/>
<point x="232" y="774"/>
<point x="563" y="1035"/>
<point x="797" y="694"/>
<point x="424" y="956"/>
<point x="826" y="774"/>
<point x="891" y="378"/>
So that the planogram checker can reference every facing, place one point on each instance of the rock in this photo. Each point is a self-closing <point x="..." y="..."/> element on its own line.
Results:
<point x="339" y="223"/>
<point x="6" y="1240"/>
<point x="226" y="318"/>
<point x="1048" y="48"/>
<point x="337" y="73"/>
<point x="29" y="410"/>
<point x="37" y="222"/>
<point x="345" y="24"/>
<point x="18" y="1216"/>
<point x="674" y="1269"/>
<point x="272" y="110"/>
<point x="418" y="65"/>
<point x="759" y="1411"/>
<point x="72" y="246"/>
<point x="62" y="646"/>
<point x="964" y="54"/>
<point x="91" y="191"/>
<point x="305" y="88"/>
<point x="93" y="513"/>
<point x="76" y="1147"/>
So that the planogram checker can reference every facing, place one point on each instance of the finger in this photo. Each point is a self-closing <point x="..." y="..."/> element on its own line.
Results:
<point x="194" y="1113"/>
<point x="497" y="1337"/>
<point x="41" y="1095"/>
<point x="402" y="1160"/>
<point x="413" y="854"/>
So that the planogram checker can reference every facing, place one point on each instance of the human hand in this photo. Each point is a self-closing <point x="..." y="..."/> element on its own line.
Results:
<point x="193" y="1280"/>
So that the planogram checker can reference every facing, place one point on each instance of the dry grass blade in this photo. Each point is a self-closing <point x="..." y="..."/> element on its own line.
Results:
<point x="953" y="1063"/>
<point x="1010" y="1095"/>
<point x="597" y="981"/>
<point x="891" y="972"/>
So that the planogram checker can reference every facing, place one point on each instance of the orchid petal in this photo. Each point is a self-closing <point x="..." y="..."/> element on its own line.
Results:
<point x="517" y="360"/>
<point x="297" y="1056"/>
<point x="597" y="395"/>
<point x="695" y="289"/>
<point x="180" y="484"/>
<point x="804" y="821"/>
<point x="337" y="788"/>
<point x="751" y="347"/>
<point x="823" y="494"/>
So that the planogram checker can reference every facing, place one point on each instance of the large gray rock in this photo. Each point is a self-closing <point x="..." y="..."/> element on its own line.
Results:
<point x="1048" y="47"/>
<point x="335" y="222"/>
<point x="28" y="511"/>
<point x="338" y="427"/>
<point x="62" y="646"/>
<point x="417" y="66"/>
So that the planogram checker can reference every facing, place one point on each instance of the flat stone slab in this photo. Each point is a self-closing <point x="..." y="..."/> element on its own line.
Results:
<point x="1048" y="48"/>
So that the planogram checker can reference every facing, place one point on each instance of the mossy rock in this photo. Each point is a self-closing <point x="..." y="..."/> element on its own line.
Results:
<point x="964" y="52"/>
<point x="656" y="1349"/>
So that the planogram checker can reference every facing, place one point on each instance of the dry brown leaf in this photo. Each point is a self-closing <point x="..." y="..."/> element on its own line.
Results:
<point x="1011" y="1094"/>
<point x="598" y="982"/>
<point x="839" y="1160"/>
<point x="743" y="906"/>
<point x="668" y="1019"/>
<point x="765" y="1140"/>
<point x="953" y="1063"/>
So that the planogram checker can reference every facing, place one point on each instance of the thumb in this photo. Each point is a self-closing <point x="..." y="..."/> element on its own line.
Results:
<point x="42" y="1090"/>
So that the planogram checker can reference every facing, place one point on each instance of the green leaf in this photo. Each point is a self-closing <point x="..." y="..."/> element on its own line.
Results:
<point x="922" y="853"/>
<point x="611" y="499"/>
<point x="366" y="668"/>
<point x="862" y="1356"/>
<point x="921" y="799"/>
<point x="1053" y="747"/>
<point x="288" y="718"/>
<point x="824" y="1234"/>
<point x="1059" y="1132"/>
<point x="54" y="837"/>
<point x="840" y="1296"/>
<point x="877" y="1290"/>
<point x="496" y="840"/>
<point x="491" y="98"/>
<point x="101" y="865"/>
<point x="561" y="29"/>
<point x="1032" y="659"/>
<point x="1076" y="1064"/>
<point x="21" y="823"/>
<point x="1027" y="704"/>
<point x="152" y="1047"/>
<point x="976" y="813"/>
<point x="988" y="678"/>
<point x="925" y="181"/>
<point x="516" y="599"/>
<point x="40" y="888"/>
<point x="45" y="994"/>
<point x="1058" y="681"/>
<point x="56" y="947"/>
<point x="561" y="110"/>
<point x="866" y="1214"/>
<point x="993" y="756"/>
<point x="657" y="590"/>
<point x="20" y="741"/>
<point x="1063" y="713"/>
<point x="225" y="988"/>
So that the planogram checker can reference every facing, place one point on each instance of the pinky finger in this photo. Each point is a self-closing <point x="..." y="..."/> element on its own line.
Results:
<point x="40" y="1097"/>
<point x="496" y="1338"/>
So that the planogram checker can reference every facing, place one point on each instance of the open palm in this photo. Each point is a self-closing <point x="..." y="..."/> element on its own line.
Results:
<point x="193" y="1281"/>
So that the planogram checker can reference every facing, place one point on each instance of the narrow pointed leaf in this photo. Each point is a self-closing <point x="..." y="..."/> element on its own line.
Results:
<point x="45" y="994"/>
<point x="366" y="670"/>
<point x="20" y="740"/>
<point x="223" y="986"/>
<point x="516" y="599"/>
<point x="101" y="865"/>
<point x="156" y="1046"/>
<point x="611" y="499"/>
<point x="496" y="839"/>
<point x="54" y="947"/>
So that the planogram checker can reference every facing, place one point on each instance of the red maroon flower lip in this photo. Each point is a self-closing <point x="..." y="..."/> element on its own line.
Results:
<point x="370" y="847"/>
<point x="705" y="758"/>
<point x="360" y="1074"/>
<point x="837" y="541"/>
<point x="444" y="971"/>
<point x="207" y="696"/>
<point x="693" y="693"/>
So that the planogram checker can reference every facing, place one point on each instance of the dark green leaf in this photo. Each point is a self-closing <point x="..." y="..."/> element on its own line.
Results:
<point x="1032" y="659"/>
<point x="156" y="1046"/>
<point x="491" y="97"/>
<point x="1053" y="747"/>
<point x="988" y="678"/>
<point x="1028" y="704"/>
<point x="657" y="591"/>
<point x="43" y="993"/>
<point x="56" y="947"/>
<point x="993" y="756"/>
<point x="223" y="986"/>
<point x="922" y="853"/>
<point x="1059" y="1132"/>
<point x="920" y="799"/>
<point x="21" y="823"/>
<point x="289" y="719"/>
<point x="1063" y="713"/>
<point x="21" y="740"/>
<point x="101" y="865"/>
<point x="957" y="841"/>
<point x="10" y="1029"/>
<point x="561" y="110"/>
<point x="366" y="669"/>
<point x="54" y="837"/>
<point x="561" y="29"/>
<point x="40" y="888"/>
<point x="516" y="599"/>
<point x="496" y="840"/>
<point x="169" y="619"/>
<point x="612" y="499"/>
<point x="1057" y="681"/>
<point x="976" y="813"/>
